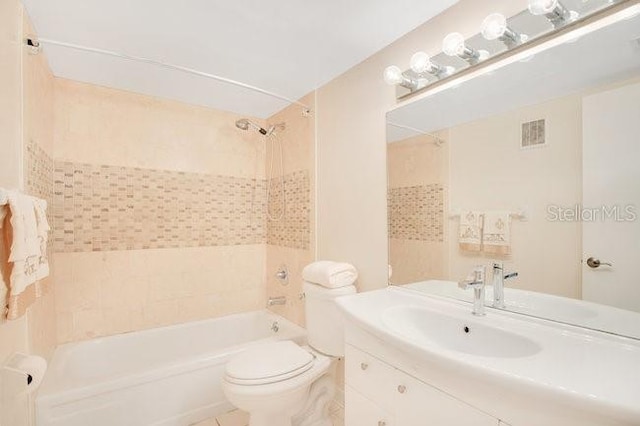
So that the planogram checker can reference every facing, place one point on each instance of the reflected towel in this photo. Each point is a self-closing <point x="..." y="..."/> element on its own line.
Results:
<point x="497" y="232"/>
<point x="470" y="232"/>
<point x="330" y="274"/>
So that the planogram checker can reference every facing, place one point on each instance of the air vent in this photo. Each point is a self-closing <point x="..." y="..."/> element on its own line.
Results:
<point x="533" y="134"/>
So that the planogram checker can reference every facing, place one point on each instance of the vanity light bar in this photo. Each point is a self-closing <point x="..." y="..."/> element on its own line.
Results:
<point x="553" y="10"/>
<point x="620" y="15"/>
<point x="494" y="27"/>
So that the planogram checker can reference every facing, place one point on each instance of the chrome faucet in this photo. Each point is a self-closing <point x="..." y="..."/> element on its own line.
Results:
<point x="498" y="284"/>
<point x="476" y="281"/>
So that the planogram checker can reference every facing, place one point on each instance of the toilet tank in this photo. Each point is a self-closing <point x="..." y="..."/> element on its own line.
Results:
<point x="325" y="326"/>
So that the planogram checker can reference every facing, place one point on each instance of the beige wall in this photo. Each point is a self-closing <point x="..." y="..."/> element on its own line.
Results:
<point x="13" y="334"/>
<point x="419" y="162"/>
<point x="38" y="137"/>
<point x="109" y="292"/>
<point x="25" y="116"/>
<point x="352" y="144"/>
<point x="489" y="171"/>
<point x="299" y="155"/>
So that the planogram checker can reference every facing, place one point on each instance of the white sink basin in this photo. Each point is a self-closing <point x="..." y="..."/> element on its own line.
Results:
<point x="457" y="334"/>
<point x="514" y="356"/>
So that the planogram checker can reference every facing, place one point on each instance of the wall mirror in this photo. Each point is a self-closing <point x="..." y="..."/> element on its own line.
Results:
<point x="535" y="167"/>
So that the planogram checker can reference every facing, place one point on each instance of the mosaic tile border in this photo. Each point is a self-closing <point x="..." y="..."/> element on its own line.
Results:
<point x="293" y="230"/>
<point x="416" y="213"/>
<point x="105" y="208"/>
<point x="38" y="173"/>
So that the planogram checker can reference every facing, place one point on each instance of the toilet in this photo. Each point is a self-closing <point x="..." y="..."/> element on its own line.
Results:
<point x="284" y="384"/>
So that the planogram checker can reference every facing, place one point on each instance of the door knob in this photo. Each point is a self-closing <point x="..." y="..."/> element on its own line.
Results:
<point x="596" y="263"/>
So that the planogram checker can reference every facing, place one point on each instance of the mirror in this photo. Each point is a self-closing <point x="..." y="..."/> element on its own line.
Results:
<point x="534" y="167"/>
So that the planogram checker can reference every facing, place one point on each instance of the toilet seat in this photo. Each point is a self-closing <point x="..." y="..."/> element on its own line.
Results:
<point x="269" y="363"/>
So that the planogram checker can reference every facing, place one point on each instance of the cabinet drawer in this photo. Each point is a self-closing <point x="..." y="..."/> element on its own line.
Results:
<point x="371" y="377"/>
<point x="360" y="411"/>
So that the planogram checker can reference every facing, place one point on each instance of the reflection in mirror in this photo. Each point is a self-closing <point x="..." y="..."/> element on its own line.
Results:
<point x="532" y="169"/>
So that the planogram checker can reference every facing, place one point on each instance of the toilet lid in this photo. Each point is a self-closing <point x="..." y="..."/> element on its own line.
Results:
<point x="268" y="363"/>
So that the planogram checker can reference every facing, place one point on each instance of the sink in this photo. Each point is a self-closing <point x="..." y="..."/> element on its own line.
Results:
<point x="455" y="333"/>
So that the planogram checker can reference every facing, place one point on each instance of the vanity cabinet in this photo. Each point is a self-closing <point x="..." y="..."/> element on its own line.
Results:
<point x="379" y="394"/>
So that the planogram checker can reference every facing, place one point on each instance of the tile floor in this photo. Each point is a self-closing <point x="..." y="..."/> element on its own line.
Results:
<point x="240" y="418"/>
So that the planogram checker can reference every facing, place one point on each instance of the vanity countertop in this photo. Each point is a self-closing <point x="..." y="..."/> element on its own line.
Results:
<point x="579" y="368"/>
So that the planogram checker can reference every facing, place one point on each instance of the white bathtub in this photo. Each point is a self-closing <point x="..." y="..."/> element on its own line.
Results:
<point x="168" y="376"/>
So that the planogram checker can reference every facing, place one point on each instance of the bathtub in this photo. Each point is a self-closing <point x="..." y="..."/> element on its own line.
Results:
<point x="169" y="376"/>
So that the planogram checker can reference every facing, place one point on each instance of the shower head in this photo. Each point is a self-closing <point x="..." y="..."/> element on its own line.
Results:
<point x="244" y="124"/>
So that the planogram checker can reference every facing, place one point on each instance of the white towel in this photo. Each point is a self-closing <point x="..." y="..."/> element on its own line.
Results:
<point x="497" y="232"/>
<point x="470" y="232"/>
<point x="29" y="238"/>
<point x="330" y="274"/>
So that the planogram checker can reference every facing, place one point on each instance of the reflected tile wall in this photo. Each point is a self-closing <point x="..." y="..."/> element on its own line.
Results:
<point x="417" y="213"/>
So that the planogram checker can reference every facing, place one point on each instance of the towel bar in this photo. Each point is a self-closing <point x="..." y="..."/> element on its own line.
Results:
<point x="523" y="215"/>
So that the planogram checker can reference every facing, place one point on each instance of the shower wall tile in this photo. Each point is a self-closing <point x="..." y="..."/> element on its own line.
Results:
<point x="417" y="213"/>
<point x="112" y="292"/>
<point x="39" y="174"/>
<point x="291" y="243"/>
<point x="290" y="227"/>
<point x="107" y="208"/>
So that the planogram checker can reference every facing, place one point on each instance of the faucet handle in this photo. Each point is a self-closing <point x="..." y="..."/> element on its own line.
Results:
<point x="479" y="273"/>
<point x="511" y="275"/>
<point x="475" y="279"/>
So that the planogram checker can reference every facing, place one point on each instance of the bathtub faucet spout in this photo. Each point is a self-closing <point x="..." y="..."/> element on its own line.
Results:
<point x="276" y="301"/>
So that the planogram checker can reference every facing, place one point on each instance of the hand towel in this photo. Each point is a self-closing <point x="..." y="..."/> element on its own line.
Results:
<point x="43" y="237"/>
<point x="497" y="232"/>
<point x="330" y="274"/>
<point x="470" y="232"/>
<point x="29" y="236"/>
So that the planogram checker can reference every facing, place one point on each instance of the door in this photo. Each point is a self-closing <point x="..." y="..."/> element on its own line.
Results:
<point x="611" y="197"/>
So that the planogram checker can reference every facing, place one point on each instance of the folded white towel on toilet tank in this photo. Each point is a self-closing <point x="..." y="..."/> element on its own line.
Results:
<point x="330" y="274"/>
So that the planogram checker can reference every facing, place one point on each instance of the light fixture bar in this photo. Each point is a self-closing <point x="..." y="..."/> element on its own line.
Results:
<point x="171" y="67"/>
<point x="539" y="46"/>
<point x="556" y="12"/>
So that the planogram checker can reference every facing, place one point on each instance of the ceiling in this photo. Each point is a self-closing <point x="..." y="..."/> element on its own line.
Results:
<point x="289" y="47"/>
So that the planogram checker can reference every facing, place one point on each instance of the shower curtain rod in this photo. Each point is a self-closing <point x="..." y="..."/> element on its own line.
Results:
<point x="35" y="43"/>
<point x="438" y="141"/>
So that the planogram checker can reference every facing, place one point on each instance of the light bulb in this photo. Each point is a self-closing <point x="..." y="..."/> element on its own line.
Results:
<point x="393" y="75"/>
<point x="542" y="7"/>
<point x="453" y="44"/>
<point x="420" y="63"/>
<point x="494" y="26"/>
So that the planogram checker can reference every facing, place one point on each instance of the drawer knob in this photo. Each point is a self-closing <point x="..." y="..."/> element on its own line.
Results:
<point x="382" y="423"/>
<point x="364" y="366"/>
<point x="402" y="388"/>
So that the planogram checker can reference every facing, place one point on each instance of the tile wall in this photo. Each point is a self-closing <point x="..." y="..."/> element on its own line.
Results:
<point x="164" y="219"/>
